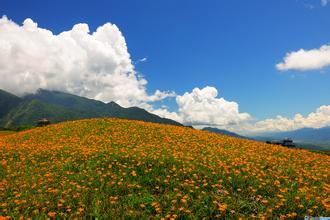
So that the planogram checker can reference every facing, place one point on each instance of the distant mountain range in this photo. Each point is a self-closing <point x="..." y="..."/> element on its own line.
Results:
<point x="59" y="106"/>
<point x="306" y="137"/>
<point x="222" y="131"/>
<point x="317" y="139"/>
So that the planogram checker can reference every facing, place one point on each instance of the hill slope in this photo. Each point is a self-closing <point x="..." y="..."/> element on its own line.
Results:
<point x="59" y="106"/>
<point x="131" y="169"/>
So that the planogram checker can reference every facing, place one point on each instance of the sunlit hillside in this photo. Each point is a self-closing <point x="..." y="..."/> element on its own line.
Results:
<point x="120" y="168"/>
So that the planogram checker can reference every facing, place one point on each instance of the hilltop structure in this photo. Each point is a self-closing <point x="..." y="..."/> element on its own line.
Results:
<point x="287" y="142"/>
<point x="43" y="122"/>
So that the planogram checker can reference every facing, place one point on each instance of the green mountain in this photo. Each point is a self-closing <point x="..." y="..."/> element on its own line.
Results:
<point x="60" y="106"/>
<point x="29" y="112"/>
<point x="7" y="102"/>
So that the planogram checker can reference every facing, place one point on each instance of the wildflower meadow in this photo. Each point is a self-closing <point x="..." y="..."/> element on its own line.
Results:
<point x="112" y="168"/>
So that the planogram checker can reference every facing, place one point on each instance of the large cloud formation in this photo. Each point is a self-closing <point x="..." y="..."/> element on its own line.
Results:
<point x="95" y="65"/>
<point x="202" y="107"/>
<point x="303" y="60"/>
<point x="318" y="119"/>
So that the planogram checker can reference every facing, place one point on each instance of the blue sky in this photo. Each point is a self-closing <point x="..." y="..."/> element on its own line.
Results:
<point x="230" y="45"/>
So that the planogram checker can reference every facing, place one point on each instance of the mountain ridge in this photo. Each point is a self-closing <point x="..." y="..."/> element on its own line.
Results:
<point x="60" y="106"/>
<point x="223" y="131"/>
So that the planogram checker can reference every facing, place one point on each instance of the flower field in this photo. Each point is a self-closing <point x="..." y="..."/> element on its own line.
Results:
<point x="130" y="169"/>
<point x="4" y="133"/>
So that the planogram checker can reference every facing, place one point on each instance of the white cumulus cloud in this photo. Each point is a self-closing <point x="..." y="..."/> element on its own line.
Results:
<point x="142" y="60"/>
<point x="159" y="95"/>
<point x="317" y="119"/>
<point x="165" y="113"/>
<point x="203" y="107"/>
<point x="303" y="60"/>
<point x="95" y="65"/>
<point x="324" y="2"/>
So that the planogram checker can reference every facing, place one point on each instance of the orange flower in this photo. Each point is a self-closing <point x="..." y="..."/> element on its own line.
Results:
<point x="222" y="207"/>
<point x="133" y="173"/>
<point x="52" y="214"/>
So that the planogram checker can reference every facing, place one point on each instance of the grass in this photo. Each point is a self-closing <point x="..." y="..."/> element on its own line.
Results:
<point x="111" y="168"/>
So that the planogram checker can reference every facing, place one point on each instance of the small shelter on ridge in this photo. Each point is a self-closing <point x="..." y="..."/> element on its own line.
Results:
<point x="43" y="122"/>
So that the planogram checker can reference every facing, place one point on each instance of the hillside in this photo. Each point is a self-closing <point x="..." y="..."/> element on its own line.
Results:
<point x="60" y="106"/>
<point x="118" y="168"/>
